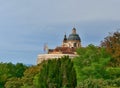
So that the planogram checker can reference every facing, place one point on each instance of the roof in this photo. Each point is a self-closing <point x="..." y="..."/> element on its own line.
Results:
<point x="65" y="50"/>
<point x="74" y="37"/>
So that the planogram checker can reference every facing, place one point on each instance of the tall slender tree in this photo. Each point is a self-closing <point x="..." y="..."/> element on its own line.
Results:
<point x="56" y="73"/>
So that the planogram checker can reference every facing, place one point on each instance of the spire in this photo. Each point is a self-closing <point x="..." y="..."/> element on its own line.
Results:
<point x="65" y="38"/>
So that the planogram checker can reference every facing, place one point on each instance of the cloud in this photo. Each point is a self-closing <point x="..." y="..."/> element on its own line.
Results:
<point x="25" y="25"/>
<point x="63" y="11"/>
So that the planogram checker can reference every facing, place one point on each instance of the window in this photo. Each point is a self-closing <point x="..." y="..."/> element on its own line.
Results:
<point x="75" y="44"/>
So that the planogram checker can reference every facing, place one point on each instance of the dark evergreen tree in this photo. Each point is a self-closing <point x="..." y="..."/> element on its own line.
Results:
<point x="56" y="73"/>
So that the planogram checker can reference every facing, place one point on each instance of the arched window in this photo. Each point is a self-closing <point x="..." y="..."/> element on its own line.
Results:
<point x="75" y="44"/>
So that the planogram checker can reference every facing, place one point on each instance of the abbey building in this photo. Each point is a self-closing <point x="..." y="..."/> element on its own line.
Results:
<point x="73" y="41"/>
<point x="68" y="47"/>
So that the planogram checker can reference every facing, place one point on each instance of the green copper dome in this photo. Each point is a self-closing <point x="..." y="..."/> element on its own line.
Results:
<point x="74" y="36"/>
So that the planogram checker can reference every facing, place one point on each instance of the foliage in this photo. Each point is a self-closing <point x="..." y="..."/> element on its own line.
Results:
<point x="20" y="68"/>
<point x="112" y="45"/>
<point x="29" y="74"/>
<point x="93" y="83"/>
<point x="99" y="83"/>
<point x="93" y="68"/>
<point x="113" y="72"/>
<point x="56" y="74"/>
<point x="13" y="83"/>
<point x="51" y="73"/>
<point x="9" y="70"/>
<point x="91" y="63"/>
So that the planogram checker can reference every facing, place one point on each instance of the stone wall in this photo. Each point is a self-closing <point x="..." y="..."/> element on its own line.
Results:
<point x="42" y="57"/>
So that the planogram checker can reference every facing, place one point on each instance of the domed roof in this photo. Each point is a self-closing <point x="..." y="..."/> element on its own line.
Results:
<point x="74" y="36"/>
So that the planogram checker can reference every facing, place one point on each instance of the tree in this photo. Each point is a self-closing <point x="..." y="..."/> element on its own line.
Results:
<point x="29" y="74"/>
<point x="93" y="83"/>
<point x="9" y="70"/>
<point x="14" y="83"/>
<point x="112" y="45"/>
<point x="56" y="73"/>
<point x="19" y="69"/>
<point x="91" y="63"/>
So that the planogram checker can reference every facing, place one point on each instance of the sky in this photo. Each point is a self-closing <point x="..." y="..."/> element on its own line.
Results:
<point x="26" y="25"/>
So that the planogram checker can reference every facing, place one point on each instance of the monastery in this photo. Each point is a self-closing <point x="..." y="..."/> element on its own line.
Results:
<point x="68" y="48"/>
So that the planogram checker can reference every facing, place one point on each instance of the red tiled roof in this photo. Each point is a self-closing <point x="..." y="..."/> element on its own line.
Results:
<point x="65" y="50"/>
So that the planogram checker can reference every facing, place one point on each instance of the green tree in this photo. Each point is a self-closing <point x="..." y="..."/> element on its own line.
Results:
<point x="6" y="71"/>
<point x="29" y="74"/>
<point x="56" y="73"/>
<point x="9" y="70"/>
<point x="91" y="63"/>
<point x="93" y="83"/>
<point x="19" y="69"/>
<point x="14" y="83"/>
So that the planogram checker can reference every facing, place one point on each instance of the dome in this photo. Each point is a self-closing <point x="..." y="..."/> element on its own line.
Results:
<point x="74" y="37"/>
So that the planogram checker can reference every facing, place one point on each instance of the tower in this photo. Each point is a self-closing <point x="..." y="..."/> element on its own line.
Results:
<point x="65" y="44"/>
<point x="73" y="41"/>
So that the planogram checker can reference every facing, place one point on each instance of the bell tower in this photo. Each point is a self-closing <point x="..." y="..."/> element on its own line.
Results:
<point x="65" y="44"/>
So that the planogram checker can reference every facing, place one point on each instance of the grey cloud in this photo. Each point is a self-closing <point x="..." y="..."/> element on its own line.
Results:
<point x="25" y="25"/>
